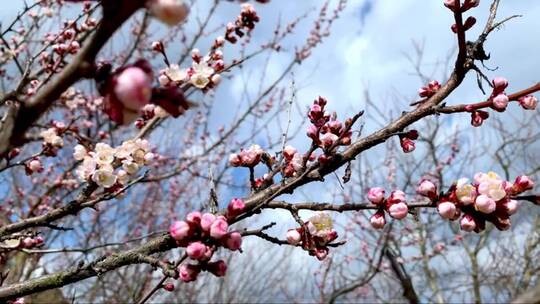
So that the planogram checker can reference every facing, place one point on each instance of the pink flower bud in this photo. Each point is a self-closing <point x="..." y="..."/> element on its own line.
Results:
<point x="194" y="217"/>
<point x="376" y="195"/>
<point x="219" y="268"/>
<point x="426" y="188"/>
<point x="188" y="272"/>
<point x="235" y="207"/>
<point x="35" y="165"/>
<point x="170" y="12"/>
<point x="312" y="132"/>
<point x="38" y="240"/>
<point x="478" y="117"/>
<point x="233" y="241"/>
<point x="511" y="206"/>
<point x="398" y="211"/>
<point x="329" y="139"/>
<point x="133" y="88"/>
<point x="407" y="145"/>
<point x="528" y="102"/>
<point x="157" y="46"/>
<point x="293" y="237"/>
<point x="467" y="223"/>
<point x="451" y="4"/>
<point x="321" y="253"/>
<point x="500" y="102"/>
<point x="179" y="230"/>
<point x="234" y="160"/>
<point x="447" y="210"/>
<point x="196" y="250"/>
<point x="207" y="220"/>
<point x="485" y="204"/>
<point x="169" y="287"/>
<point x="377" y="220"/>
<point x="397" y="196"/>
<point x="523" y="183"/>
<point x="27" y="243"/>
<point x="289" y="152"/>
<point x="499" y="85"/>
<point x="219" y="228"/>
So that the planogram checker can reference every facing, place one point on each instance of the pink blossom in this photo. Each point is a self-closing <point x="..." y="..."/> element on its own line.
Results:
<point x="485" y="204"/>
<point x="467" y="223"/>
<point x="219" y="228"/>
<point x="289" y="152"/>
<point x="397" y="196"/>
<point x="170" y="12"/>
<point x="133" y="88"/>
<point x="236" y="206"/>
<point x="426" y="188"/>
<point x="219" y="268"/>
<point x="511" y="206"/>
<point x="188" y="272"/>
<point x="234" y="160"/>
<point x="407" y="145"/>
<point x="179" y="230"/>
<point x="329" y="139"/>
<point x="523" y="183"/>
<point x="500" y="102"/>
<point x="451" y="4"/>
<point x="169" y="287"/>
<point x="233" y="241"/>
<point x="528" y="102"/>
<point x="321" y="253"/>
<point x="376" y="195"/>
<point x="430" y="89"/>
<point x="398" y="211"/>
<point x="478" y="117"/>
<point x="196" y="250"/>
<point x="207" y="220"/>
<point x="499" y="85"/>
<point x="194" y="217"/>
<point x="377" y="220"/>
<point x="447" y="210"/>
<point x="313" y="132"/>
<point x="27" y="242"/>
<point x="293" y="237"/>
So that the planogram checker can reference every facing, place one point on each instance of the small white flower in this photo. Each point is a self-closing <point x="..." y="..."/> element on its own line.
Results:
<point x="104" y="178"/>
<point x="86" y="169"/>
<point x="51" y="137"/>
<point x="104" y="156"/>
<point x="176" y="74"/>
<point x="130" y="166"/>
<point x="202" y="68"/>
<point x="123" y="177"/>
<point x="200" y="81"/>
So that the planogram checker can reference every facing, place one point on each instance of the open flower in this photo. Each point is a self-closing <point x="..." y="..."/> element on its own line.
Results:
<point x="104" y="177"/>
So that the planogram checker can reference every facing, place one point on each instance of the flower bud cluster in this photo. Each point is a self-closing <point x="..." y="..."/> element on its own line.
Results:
<point x="245" y="22"/>
<point x="99" y="165"/>
<point x="247" y="158"/>
<point x="395" y="205"/>
<point x="488" y="198"/>
<point x="293" y="161"/>
<point x="325" y="130"/>
<point x="430" y="89"/>
<point x="315" y="235"/>
<point x="202" y="235"/>
<point x="52" y="139"/>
